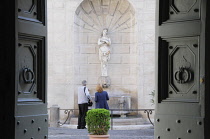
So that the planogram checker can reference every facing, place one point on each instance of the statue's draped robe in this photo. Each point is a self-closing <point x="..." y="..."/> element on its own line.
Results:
<point x="104" y="54"/>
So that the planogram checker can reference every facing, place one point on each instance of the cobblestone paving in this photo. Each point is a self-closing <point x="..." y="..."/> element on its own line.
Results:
<point x="66" y="133"/>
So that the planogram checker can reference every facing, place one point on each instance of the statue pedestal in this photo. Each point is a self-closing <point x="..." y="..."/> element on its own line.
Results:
<point x="104" y="81"/>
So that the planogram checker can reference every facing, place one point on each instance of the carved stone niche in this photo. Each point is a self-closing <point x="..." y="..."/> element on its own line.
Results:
<point x="95" y="15"/>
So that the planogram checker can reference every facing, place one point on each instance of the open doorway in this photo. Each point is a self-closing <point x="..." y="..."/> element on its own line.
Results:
<point x="73" y="53"/>
<point x="73" y="31"/>
<point x="182" y="26"/>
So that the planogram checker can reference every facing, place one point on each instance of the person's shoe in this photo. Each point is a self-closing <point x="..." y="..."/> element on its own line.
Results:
<point x="83" y="128"/>
<point x="78" y="127"/>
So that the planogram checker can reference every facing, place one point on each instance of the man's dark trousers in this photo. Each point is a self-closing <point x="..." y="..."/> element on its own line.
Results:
<point x="83" y="108"/>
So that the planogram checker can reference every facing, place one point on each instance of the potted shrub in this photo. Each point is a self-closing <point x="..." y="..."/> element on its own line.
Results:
<point x="98" y="123"/>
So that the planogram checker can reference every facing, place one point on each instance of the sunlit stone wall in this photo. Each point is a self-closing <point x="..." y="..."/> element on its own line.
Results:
<point x="73" y="53"/>
<point x="118" y="16"/>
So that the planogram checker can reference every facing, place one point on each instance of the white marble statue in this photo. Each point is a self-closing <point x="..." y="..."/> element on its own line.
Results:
<point x="104" y="51"/>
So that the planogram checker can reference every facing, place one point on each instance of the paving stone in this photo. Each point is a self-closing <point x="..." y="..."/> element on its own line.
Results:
<point x="66" y="133"/>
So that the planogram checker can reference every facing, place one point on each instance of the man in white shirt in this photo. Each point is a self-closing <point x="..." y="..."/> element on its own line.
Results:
<point x="83" y="96"/>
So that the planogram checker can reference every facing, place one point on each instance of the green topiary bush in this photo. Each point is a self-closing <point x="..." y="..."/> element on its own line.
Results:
<point x="98" y="121"/>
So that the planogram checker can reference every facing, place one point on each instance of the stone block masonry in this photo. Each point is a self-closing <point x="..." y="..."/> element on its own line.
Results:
<point x="73" y="32"/>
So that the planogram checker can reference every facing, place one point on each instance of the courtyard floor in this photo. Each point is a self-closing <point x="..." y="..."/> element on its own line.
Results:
<point x="66" y="133"/>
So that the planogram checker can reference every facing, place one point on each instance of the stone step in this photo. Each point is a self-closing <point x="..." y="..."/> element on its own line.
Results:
<point x="118" y="121"/>
<point x="125" y="127"/>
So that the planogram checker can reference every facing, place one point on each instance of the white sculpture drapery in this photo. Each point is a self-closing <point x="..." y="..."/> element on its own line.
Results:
<point x="104" y="43"/>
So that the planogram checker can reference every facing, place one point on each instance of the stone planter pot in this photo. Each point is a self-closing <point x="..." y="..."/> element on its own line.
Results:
<point x="98" y="136"/>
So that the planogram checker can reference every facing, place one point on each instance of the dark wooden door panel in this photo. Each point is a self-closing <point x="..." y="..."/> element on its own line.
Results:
<point x="182" y="57"/>
<point x="180" y="44"/>
<point x="31" y="51"/>
<point x="31" y="127"/>
<point x="179" y="10"/>
<point x="32" y="10"/>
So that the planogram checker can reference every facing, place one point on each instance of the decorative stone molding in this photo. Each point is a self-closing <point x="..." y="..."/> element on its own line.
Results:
<point x="95" y="15"/>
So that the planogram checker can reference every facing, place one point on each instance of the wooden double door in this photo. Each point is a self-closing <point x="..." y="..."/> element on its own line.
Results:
<point x="182" y="69"/>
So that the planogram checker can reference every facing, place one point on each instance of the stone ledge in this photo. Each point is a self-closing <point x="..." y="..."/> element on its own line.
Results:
<point x="119" y="121"/>
<point x="126" y="127"/>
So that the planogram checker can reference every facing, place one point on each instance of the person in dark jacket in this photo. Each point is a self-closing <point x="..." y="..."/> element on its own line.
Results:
<point x="101" y="98"/>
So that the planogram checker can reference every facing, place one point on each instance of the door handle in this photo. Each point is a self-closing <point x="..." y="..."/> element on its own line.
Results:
<point x="27" y="72"/>
<point x="183" y="75"/>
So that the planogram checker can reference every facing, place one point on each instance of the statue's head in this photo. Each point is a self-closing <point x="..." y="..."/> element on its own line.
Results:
<point x="104" y="32"/>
